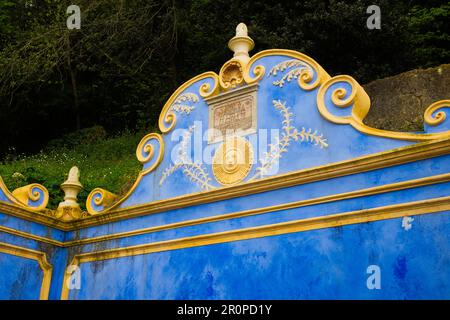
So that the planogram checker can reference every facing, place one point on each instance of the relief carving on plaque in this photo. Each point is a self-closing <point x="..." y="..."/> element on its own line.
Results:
<point x="232" y="113"/>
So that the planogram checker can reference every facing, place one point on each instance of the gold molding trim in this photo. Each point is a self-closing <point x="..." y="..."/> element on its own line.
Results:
<point x="303" y="80"/>
<point x="21" y="196"/>
<point x="335" y="220"/>
<point x="415" y="152"/>
<point x="359" y="102"/>
<point x="245" y="213"/>
<point x="285" y="206"/>
<point x="30" y="215"/>
<point x="32" y="236"/>
<point x="38" y="256"/>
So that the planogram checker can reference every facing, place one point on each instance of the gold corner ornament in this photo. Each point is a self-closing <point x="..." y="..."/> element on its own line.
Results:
<point x="23" y="195"/>
<point x="100" y="197"/>
<point x="232" y="161"/>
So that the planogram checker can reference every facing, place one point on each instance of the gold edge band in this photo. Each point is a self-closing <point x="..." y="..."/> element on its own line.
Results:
<point x="285" y="206"/>
<point x="33" y="216"/>
<point x="38" y="256"/>
<point x="335" y="220"/>
<point x="442" y="178"/>
<point x="32" y="236"/>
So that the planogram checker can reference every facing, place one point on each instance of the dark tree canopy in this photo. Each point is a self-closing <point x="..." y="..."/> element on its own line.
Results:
<point x="129" y="56"/>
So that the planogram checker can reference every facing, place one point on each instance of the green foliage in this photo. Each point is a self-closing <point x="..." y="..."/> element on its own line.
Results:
<point x="430" y="34"/>
<point x="108" y="163"/>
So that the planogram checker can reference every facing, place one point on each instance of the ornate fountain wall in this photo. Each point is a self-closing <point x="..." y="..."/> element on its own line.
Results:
<point x="301" y="200"/>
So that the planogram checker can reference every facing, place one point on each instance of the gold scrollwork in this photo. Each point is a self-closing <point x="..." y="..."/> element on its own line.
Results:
<point x="206" y="91"/>
<point x="100" y="197"/>
<point x="343" y="99"/>
<point x="359" y="101"/>
<point x="167" y="118"/>
<point x="440" y="116"/>
<point x="23" y="195"/>
<point x="148" y="149"/>
<point x="258" y="71"/>
<point x="304" y="75"/>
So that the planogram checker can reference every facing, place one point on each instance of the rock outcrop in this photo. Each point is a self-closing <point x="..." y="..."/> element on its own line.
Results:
<point x="398" y="102"/>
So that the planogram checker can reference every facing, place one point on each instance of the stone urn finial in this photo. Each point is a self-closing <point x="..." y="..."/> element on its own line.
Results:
<point x="69" y="209"/>
<point x="241" y="43"/>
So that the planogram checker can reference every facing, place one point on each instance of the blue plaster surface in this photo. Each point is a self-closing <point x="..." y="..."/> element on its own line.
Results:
<point x="56" y="257"/>
<point x="20" y="278"/>
<point x="320" y="264"/>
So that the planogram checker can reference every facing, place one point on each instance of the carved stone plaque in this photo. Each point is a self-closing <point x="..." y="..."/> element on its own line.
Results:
<point x="232" y="113"/>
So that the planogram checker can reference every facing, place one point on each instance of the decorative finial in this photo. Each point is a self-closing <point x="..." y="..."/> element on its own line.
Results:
<point x="74" y="175"/>
<point x="241" y="43"/>
<point x="69" y="209"/>
<point x="241" y="30"/>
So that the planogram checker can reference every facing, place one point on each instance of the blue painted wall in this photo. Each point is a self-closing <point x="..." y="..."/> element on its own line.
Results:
<point x="20" y="278"/>
<point x="320" y="264"/>
<point x="327" y="263"/>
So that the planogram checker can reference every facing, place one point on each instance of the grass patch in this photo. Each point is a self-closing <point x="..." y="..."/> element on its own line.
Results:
<point x="105" y="162"/>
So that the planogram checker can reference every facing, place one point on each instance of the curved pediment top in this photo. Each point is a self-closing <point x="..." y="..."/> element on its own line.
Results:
<point x="286" y="114"/>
